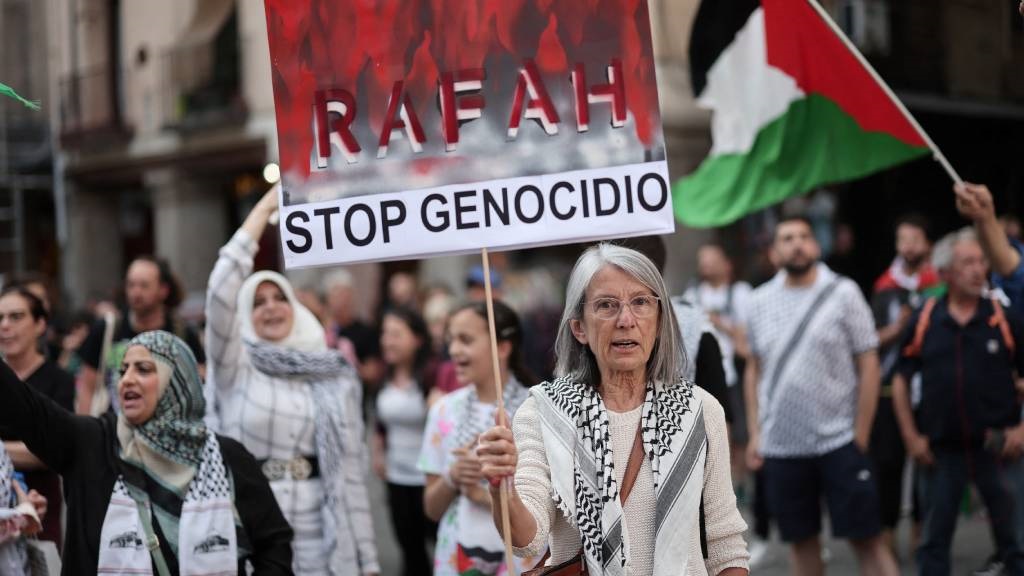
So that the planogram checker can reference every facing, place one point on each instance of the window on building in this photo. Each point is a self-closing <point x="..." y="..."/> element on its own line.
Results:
<point x="17" y="34"/>
<point x="866" y="22"/>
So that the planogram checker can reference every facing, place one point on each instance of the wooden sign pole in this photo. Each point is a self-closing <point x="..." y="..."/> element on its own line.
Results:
<point x="506" y="529"/>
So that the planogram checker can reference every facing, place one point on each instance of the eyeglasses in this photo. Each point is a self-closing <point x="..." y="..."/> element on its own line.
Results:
<point x="639" y="306"/>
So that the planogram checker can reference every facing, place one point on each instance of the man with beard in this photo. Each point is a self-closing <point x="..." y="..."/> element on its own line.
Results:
<point x="811" y="391"/>
<point x="152" y="294"/>
<point x="898" y="292"/>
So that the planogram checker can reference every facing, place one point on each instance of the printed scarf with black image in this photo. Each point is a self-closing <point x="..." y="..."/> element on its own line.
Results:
<point x="198" y="530"/>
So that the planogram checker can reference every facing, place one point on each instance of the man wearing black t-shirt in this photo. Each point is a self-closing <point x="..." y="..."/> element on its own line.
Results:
<point x="152" y="295"/>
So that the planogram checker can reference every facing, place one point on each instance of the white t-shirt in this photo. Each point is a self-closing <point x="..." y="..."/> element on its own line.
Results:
<point x="403" y="412"/>
<point x="464" y="522"/>
<point x="812" y="407"/>
<point x="729" y="302"/>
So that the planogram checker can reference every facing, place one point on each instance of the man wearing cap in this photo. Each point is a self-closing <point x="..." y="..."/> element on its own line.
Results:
<point x="475" y="284"/>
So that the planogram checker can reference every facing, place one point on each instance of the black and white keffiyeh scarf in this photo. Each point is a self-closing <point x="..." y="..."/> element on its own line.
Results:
<point x="330" y="377"/>
<point x="13" y="555"/>
<point x="468" y="428"/>
<point x="575" y="428"/>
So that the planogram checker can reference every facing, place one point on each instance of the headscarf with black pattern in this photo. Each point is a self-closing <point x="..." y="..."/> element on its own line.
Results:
<point x="168" y="446"/>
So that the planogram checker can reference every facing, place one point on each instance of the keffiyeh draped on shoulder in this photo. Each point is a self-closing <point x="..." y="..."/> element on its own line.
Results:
<point x="13" y="555"/>
<point x="574" y="423"/>
<point x="172" y="468"/>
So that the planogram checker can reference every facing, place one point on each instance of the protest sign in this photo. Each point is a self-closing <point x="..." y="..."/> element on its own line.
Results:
<point x="415" y="128"/>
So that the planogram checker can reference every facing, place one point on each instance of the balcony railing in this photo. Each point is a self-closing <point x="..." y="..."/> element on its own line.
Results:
<point x="203" y="85"/>
<point x="90" y="104"/>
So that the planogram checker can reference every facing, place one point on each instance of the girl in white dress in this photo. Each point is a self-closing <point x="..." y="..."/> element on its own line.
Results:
<point x="456" y="493"/>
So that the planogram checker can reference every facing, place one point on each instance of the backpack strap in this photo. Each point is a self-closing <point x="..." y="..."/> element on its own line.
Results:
<point x="914" y="348"/>
<point x="771" y="385"/>
<point x="998" y="319"/>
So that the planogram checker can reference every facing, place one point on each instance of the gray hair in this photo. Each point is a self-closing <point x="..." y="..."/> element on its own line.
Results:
<point x="575" y="360"/>
<point x="338" y="278"/>
<point x="942" y="254"/>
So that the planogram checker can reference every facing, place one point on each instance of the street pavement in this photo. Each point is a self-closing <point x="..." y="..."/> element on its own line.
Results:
<point x="972" y="545"/>
<point x="387" y="547"/>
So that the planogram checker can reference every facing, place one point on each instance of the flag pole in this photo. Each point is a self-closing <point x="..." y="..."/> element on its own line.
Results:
<point x="506" y="529"/>
<point x="936" y="153"/>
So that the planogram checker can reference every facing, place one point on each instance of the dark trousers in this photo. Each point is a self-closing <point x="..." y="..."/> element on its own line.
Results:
<point x="48" y="484"/>
<point x="411" y="527"/>
<point x="762" y="519"/>
<point x="889" y="457"/>
<point x="941" y="488"/>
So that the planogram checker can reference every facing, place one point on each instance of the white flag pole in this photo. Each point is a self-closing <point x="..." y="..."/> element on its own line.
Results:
<point x="936" y="153"/>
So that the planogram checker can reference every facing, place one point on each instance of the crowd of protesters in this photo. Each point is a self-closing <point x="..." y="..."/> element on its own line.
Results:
<point x="253" y="438"/>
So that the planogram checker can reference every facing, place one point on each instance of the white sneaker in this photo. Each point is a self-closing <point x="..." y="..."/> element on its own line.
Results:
<point x="992" y="567"/>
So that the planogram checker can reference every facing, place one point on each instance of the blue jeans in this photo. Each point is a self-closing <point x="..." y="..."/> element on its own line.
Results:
<point x="941" y="488"/>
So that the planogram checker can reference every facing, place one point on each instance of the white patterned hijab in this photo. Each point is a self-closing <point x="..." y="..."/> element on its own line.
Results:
<point x="307" y="333"/>
<point x="168" y="446"/>
<point x="175" y="448"/>
<point x="303" y="356"/>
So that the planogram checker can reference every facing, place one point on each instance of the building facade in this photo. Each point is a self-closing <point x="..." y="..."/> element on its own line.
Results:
<point x="162" y="121"/>
<point x="27" y="225"/>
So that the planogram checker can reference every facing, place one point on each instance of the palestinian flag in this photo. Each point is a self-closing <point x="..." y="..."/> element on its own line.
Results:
<point x="793" y="109"/>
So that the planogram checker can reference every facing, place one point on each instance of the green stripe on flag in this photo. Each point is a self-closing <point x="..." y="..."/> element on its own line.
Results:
<point x="6" y="90"/>
<point x="814" y="143"/>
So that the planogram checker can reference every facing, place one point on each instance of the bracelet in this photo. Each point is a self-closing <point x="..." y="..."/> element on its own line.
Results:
<point x="495" y="488"/>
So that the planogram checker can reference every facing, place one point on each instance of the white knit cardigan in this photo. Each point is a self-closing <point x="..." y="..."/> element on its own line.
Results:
<point x="723" y="523"/>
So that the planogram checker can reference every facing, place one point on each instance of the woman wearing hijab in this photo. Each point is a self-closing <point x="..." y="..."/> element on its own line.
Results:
<point x="152" y="490"/>
<point x="293" y="402"/>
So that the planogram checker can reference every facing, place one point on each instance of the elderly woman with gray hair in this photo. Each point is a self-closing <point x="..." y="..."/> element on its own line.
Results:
<point x="620" y="465"/>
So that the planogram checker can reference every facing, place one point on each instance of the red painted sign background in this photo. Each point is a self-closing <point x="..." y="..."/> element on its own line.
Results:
<point x="365" y="46"/>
